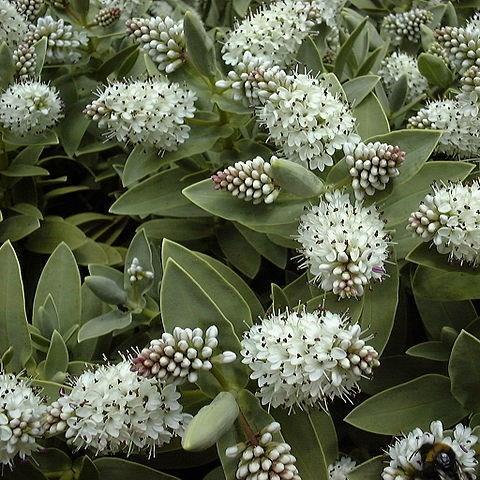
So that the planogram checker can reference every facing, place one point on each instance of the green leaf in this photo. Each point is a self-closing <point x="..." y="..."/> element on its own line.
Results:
<point x="60" y="278"/>
<point x="398" y="94"/>
<point x="81" y="7"/>
<point x="200" y="48"/>
<point x="88" y="470"/>
<point x="358" y="88"/>
<point x="309" y="56"/>
<point x="407" y="406"/>
<point x="8" y="67"/>
<point x="279" y="299"/>
<point x="19" y="170"/>
<point x="41" y="52"/>
<point x="13" y="319"/>
<point x="47" y="138"/>
<point x="57" y="357"/>
<point x="106" y="289"/>
<point x="178" y="230"/>
<point x="17" y="227"/>
<point x="313" y="440"/>
<point x="346" y="50"/>
<point x="184" y="303"/>
<point x="434" y="69"/>
<point x="257" y="217"/>
<point x="211" y="423"/>
<point x="52" y="460"/>
<point x="228" y="300"/>
<point x="464" y="372"/>
<point x="111" y="468"/>
<point x="143" y="160"/>
<point x="379" y="308"/>
<point x="371" y="117"/>
<point x="370" y="470"/>
<point x="140" y="249"/>
<point x="73" y="127"/>
<point x="104" y="324"/>
<point x="437" y="351"/>
<point x="296" y="179"/>
<point x="48" y="317"/>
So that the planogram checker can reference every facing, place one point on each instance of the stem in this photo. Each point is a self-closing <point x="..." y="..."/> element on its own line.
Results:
<point x="149" y="313"/>
<point x="220" y="378"/>
<point x="247" y="429"/>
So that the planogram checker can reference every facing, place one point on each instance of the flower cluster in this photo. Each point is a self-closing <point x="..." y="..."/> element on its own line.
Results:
<point x="399" y="64"/>
<point x="21" y="415"/>
<point x="344" y="245"/>
<point x="128" y="8"/>
<point x="13" y="26"/>
<point x="181" y="355"/>
<point x="161" y="38"/>
<point x="306" y="359"/>
<point x="308" y="122"/>
<point x="406" y="460"/>
<point x="29" y="8"/>
<point x="112" y="409"/>
<point x="275" y="32"/>
<point x="461" y="134"/>
<point x="152" y="112"/>
<point x="406" y="25"/>
<point x="461" y="44"/>
<point x="63" y="42"/>
<point x="450" y="217"/>
<point x="340" y="469"/>
<point x="372" y="166"/>
<point x="137" y="273"/>
<point x="251" y="181"/>
<point x="264" y="458"/>
<point x="24" y="58"/>
<point x="107" y="16"/>
<point x="470" y="80"/>
<point x="30" y="107"/>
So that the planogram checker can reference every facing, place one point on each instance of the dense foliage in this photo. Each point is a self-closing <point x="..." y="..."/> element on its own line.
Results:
<point x="239" y="239"/>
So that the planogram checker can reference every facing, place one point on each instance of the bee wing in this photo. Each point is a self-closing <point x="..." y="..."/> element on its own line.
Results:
<point x="458" y="475"/>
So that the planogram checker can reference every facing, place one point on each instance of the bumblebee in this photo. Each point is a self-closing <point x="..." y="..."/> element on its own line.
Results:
<point x="440" y="463"/>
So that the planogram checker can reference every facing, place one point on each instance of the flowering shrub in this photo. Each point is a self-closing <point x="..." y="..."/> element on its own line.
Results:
<point x="239" y="239"/>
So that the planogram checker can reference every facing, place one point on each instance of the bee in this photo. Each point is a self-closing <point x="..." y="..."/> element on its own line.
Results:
<point x="440" y="463"/>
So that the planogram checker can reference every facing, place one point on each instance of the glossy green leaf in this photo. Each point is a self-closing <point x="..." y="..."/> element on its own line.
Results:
<point x="431" y="350"/>
<point x="57" y="357"/>
<point x="371" y="118"/>
<point x="17" y="227"/>
<point x="200" y="49"/>
<point x="111" y="468"/>
<point x="104" y="324"/>
<point x="8" y="67"/>
<point x="434" y="69"/>
<point x="369" y="470"/>
<point x="358" y="88"/>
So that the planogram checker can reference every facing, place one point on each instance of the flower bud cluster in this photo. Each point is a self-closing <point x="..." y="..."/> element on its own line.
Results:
<point x="107" y="16"/>
<point x="24" y="58"/>
<point x="263" y="458"/>
<point x="461" y="44"/>
<point x="470" y="80"/>
<point x="372" y="166"/>
<point x="450" y="217"/>
<point x="137" y="273"/>
<point x="406" y="25"/>
<point x="161" y="38"/>
<point x="251" y="181"/>
<point x="29" y="8"/>
<point x="180" y="355"/>
<point x="344" y="245"/>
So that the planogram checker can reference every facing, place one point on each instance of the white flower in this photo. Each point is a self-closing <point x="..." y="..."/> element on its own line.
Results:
<point x="461" y="44"/>
<point x="406" y="25"/>
<point x="276" y="31"/>
<point x="161" y="38"/>
<point x="13" y="26"/>
<point x="406" y="460"/>
<point x="341" y="468"/>
<point x="30" y="107"/>
<point x="251" y="181"/>
<point x="180" y="355"/>
<point x="63" y="42"/>
<point x="372" y="166"/>
<point x="344" y="245"/>
<point x="21" y="415"/>
<point x="308" y="122"/>
<point x="399" y="64"/>
<point x="450" y="217"/>
<point x="264" y="458"/>
<point x="306" y="359"/>
<point x="461" y="129"/>
<point x="137" y="273"/>
<point x="151" y="111"/>
<point x="112" y="409"/>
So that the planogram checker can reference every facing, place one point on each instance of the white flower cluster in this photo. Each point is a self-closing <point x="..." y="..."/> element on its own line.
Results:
<point x="63" y="42"/>
<point x="180" y="355"/>
<point x="450" y="217"/>
<point x="161" y="38"/>
<point x="406" y="25"/>
<point x="13" y="26"/>
<point x="308" y="122"/>
<point x="406" y="460"/>
<point x="340" y="469"/>
<point x="112" y="409"/>
<point x="151" y="111"/>
<point x="372" y="165"/>
<point x="251" y="181"/>
<point x="460" y="125"/>
<point x="263" y="458"/>
<point x="29" y="8"/>
<point x="344" y="245"/>
<point x="398" y="64"/>
<point x="306" y="359"/>
<point x="30" y="107"/>
<point x="461" y="44"/>
<point x="137" y="273"/>
<point x="21" y="415"/>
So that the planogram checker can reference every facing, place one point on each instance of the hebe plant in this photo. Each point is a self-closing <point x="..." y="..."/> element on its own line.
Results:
<point x="240" y="239"/>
